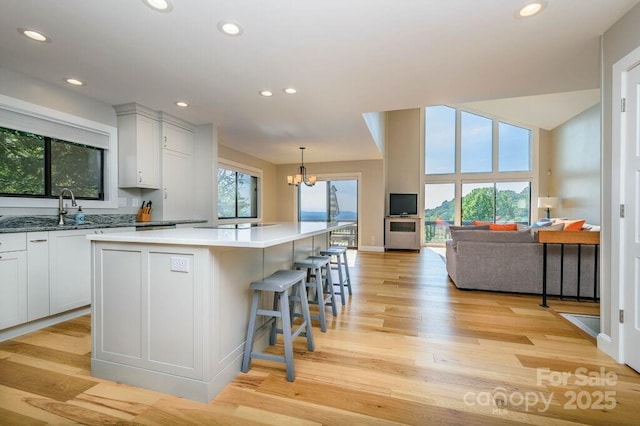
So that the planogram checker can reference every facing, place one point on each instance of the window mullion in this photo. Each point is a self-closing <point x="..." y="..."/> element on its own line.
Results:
<point x="47" y="168"/>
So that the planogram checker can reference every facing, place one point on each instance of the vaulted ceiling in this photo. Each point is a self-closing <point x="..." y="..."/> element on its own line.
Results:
<point x="345" y="58"/>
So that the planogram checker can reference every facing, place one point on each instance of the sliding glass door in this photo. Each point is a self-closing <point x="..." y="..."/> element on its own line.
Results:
<point x="332" y="200"/>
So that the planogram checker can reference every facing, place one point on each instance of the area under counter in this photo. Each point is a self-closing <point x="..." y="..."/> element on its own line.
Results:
<point x="170" y="307"/>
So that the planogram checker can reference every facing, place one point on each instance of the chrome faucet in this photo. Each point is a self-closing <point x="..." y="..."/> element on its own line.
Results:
<point x="61" y="209"/>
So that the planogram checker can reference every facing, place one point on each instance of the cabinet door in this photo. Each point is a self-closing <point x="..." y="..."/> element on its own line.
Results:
<point x="178" y="181"/>
<point x="13" y="288"/>
<point x="138" y="151"/>
<point x="177" y="138"/>
<point x="69" y="270"/>
<point x="37" y="275"/>
<point x="148" y="149"/>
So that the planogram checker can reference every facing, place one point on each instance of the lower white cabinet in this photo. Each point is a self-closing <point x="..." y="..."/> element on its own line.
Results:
<point x="13" y="288"/>
<point x="70" y="268"/>
<point x="37" y="275"/>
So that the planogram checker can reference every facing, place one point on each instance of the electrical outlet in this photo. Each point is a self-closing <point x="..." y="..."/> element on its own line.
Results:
<point x="135" y="202"/>
<point x="179" y="264"/>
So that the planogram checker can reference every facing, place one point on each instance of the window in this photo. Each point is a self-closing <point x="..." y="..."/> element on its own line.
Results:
<point x="476" y="168"/>
<point x="440" y="140"/>
<point x="237" y="194"/>
<point x="33" y="165"/>
<point x="496" y="202"/>
<point x="439" y="210"/>
<point x="476" y="140"/>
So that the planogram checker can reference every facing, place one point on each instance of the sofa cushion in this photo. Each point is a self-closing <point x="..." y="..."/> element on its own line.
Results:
<point x="503" y="226"/>
<point x="491" y="236"/>
<point x="469" y="228"/>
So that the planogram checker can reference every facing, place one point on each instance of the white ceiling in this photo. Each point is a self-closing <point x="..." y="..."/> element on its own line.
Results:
<point x="344" y="57"/>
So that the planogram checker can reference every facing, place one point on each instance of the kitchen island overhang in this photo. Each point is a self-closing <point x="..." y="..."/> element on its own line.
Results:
<point x="170" y="307"/>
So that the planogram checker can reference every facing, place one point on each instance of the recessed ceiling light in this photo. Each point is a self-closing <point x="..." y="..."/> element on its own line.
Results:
<point x="266" y="93"/>
<point x="182" y="104"/>
<point x="74" y="82"/>
<point x="230" y="28"/>
<point x="531" y="8"/>
<point x="34" y="35"/>
<point x="159" y="5"/>
<point x="290" y="91"/>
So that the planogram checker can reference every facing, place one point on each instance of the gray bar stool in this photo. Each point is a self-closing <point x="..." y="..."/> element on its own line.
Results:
<point x="322" y="284"/>
<point x="342" y="266"/>
<point x="279" y="283"/>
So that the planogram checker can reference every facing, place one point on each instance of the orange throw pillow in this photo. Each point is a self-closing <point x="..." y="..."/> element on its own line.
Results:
<point x="477" y="222"/>
<point x="503" y="226"/>
<point x="573" y="225"/>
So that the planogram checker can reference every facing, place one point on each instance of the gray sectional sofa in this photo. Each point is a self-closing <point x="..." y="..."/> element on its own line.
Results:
<point x="511" y="261"/>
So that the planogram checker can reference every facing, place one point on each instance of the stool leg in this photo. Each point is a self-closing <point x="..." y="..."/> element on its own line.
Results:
<point x="248" y="347"/>
<point x="274" y="321"/>
<point x="329" y="286"/>
<point x="320" y="293"/>
<point x="341" y="282"/>
<point x="346" y="270"/>
<point x="286" y="333"/>
<point x="306" y="316"/>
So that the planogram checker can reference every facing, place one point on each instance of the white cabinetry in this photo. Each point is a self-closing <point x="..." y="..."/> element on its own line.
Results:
<point x="138" y="147"/>
<point x="70" y="268"/>
<point x="13" y="279"/>
<point x="37" y="275"/>
<point x="176" y="200"/>
<point x="402" y="233"/>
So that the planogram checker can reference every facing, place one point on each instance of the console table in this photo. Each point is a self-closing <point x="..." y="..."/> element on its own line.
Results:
<point x="578" y="238"/>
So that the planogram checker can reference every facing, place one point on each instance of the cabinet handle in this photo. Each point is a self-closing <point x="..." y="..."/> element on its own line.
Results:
<point x="38" y="241"/>
<point x="98" y="231"/>
<point x="165" y="193"/>
<point x="139" y="177"/>
<point x="165" y="141"/>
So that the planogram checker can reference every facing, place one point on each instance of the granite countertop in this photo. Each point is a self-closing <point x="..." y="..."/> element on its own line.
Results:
<point x="10" y="224"/>
<point x="263" y="236"/>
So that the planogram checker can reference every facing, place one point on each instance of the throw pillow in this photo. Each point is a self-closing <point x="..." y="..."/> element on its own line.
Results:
<point x="572" y="225"/>
<point x="554" y="227"/>
<point x="503" y="226"/>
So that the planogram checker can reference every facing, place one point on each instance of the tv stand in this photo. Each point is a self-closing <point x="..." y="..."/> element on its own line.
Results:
<point x="402" y="232"/>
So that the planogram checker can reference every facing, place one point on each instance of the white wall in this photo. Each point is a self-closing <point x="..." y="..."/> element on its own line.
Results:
<point x="575" y="166"/>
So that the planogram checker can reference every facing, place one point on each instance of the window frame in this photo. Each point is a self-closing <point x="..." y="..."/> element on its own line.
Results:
<point x="48" y="164"/>
<point x="241" y="168"/>
<point x="495" y="176"/>
<point x="30" y="112"/>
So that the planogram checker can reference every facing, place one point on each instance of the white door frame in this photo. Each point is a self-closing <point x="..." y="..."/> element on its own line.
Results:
<point x="611" y="302"/>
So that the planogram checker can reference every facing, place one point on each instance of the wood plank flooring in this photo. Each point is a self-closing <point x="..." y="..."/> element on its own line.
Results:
<point x="408" y="348"/>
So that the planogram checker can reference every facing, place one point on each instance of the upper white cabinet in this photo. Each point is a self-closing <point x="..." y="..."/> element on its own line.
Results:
<point x="176" y="200"/>
<point x="13" y="279"/>
<point x="138" y="146"/>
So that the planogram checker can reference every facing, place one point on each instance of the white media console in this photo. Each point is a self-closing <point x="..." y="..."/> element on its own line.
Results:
<point x="402" y="232"/>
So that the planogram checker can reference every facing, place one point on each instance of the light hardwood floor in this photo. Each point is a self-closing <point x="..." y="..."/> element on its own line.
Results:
<point x="408" y="348"/>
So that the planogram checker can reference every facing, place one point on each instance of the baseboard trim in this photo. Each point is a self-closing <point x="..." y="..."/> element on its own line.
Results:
<point x="22" y="329"/>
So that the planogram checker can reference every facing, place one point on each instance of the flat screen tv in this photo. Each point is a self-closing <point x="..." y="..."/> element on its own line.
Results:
<point x="403" y="204"/>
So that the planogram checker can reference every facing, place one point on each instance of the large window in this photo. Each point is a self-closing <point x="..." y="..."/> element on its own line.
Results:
<point x="476" y="168"/>
<point x="33" y="165"/>
<point x="237" y="194"/>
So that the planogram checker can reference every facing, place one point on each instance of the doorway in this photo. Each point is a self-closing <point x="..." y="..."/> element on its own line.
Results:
<point x="332" y="200"/>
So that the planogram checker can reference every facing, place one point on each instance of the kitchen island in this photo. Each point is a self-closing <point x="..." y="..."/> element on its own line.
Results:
<point x="170" y="307"/>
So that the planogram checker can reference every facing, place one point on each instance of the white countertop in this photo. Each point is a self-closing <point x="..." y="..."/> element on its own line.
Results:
<point x="257" y="237"/>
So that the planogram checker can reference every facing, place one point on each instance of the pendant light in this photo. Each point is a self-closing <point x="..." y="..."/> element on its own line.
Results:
<point x="301" y="177"/>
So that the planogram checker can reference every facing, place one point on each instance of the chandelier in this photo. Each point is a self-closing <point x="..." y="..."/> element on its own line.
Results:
<point x="301" y="177"/>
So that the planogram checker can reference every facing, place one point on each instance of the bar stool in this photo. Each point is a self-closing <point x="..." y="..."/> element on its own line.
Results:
<point x="322" y="284"/>
<point x="279" y="283"/>
<point x="342" y="266"/>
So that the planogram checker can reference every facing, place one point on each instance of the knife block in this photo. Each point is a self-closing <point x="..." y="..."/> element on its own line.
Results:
<point x="143" y="217"/>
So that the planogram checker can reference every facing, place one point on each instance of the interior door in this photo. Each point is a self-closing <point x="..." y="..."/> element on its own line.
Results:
<point x="631" y="233"/>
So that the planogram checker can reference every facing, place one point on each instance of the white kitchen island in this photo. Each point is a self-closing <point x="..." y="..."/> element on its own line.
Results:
<point x="170" y="307"/>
